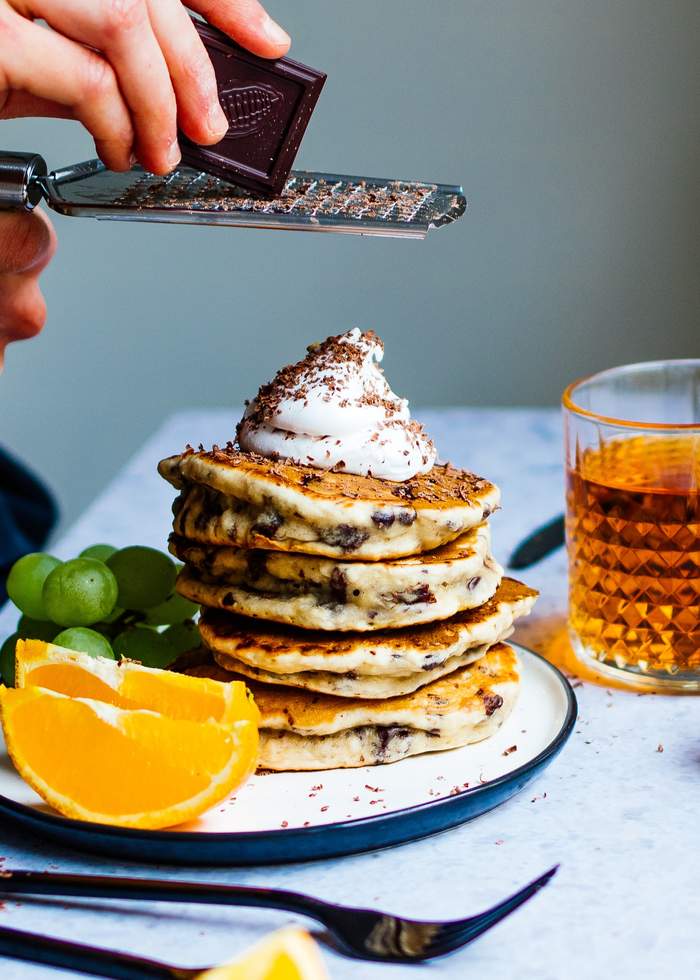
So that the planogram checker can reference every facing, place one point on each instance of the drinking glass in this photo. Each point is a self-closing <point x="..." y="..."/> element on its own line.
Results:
<point x="633" y="522"/>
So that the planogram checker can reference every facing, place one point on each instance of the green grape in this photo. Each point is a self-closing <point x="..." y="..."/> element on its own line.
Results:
<point x="7" y="660"/>
<point x="80" y="592"/>
<point x="85" y="641"/>
<point x="175" y="609"/>
<point x="146" y="645"/>
<point x="36" y="629"/>
<point x="145" y="576"/>
<point x="26" y="581"/>
<point x="100" y="551"/>
<point x="183" y="637"/>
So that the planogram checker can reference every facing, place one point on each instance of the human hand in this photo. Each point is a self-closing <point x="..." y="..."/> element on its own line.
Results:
<point x="131" y="71"/>
<point x="27" y="242"/>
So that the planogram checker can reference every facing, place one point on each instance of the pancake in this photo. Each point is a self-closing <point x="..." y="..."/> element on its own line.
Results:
<point x="322" y="594"/>
<point x="354" y="685"/>
<point x="285" y="650"/>
<point x="439" y="582"/>
<point x="305" y="611"/>
<point x="230" y="497"/>
<point x="300" y="731"/>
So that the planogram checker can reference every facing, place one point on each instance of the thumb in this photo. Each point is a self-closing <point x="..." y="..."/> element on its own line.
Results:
<point x="22" y="309"/>
<point x="27" y="242"/>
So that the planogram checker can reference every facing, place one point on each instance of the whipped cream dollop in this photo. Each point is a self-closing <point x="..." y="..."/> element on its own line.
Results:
<point x="335" y="410"/>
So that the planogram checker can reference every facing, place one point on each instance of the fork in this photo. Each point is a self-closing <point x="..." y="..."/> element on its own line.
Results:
<point x="362" y="933"/>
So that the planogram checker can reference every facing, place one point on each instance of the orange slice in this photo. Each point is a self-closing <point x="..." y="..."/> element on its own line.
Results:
<point x="288" y="954"/>
<point x="127" y="684"/>
<point x="93" y="761"/>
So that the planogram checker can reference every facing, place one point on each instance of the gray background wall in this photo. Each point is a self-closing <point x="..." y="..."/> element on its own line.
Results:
<point x="574" y="128"/>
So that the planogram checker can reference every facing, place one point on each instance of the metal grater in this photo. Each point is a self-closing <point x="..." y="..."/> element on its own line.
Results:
<point x="309" y="202"/>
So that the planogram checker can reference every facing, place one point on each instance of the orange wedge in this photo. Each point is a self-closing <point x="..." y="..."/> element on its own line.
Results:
<point x="132" y="768"/>
<point x="288" y="954"/>
<point x="127" y="684"/>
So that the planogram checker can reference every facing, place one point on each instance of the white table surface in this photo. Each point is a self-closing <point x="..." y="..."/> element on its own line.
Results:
<point x="618" y="809"/>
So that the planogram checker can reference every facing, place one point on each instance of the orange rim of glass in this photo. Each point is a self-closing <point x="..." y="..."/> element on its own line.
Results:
<point x="567" y="399"/>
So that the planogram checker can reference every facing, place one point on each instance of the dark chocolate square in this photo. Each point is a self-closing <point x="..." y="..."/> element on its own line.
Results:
<point x="268" y="105"/>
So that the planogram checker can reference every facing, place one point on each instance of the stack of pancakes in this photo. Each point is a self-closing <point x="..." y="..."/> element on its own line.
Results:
<point x="366" y="616"/>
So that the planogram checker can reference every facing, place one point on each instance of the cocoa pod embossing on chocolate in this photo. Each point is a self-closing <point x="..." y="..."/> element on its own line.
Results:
<point x="248" y="108"/>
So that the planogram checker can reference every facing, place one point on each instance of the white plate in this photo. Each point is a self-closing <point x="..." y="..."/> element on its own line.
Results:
<point x="290" y="816"/>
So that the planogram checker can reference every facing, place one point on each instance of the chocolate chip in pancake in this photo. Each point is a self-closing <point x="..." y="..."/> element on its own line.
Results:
<point x="307" y="731"/>
<point x="329" y="593"/>
<point x="231" y="497"/>
<point x="286" y="650"/>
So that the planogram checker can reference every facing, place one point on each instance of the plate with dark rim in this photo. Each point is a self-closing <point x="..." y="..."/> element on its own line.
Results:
<point x="283" y="817"/>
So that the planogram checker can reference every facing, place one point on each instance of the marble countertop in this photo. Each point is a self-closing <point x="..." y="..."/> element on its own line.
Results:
<point x="618" y="809"/>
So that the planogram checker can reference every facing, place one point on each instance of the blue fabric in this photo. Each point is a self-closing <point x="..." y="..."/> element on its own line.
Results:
<point x="27" y="515"/>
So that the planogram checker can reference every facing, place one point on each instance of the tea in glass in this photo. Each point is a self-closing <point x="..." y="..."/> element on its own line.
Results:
<point x="633" y="521"/>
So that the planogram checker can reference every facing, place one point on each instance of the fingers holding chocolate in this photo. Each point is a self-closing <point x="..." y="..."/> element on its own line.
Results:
<point x="132" y="71"/>
<point x="48" y="66"/>
<point x="247" y="22"/>
<point x="199" y="112"/>
<point x="122" y="32"/>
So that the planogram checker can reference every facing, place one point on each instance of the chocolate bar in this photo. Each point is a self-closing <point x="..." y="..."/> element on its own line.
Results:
<point x="268" y="105"/>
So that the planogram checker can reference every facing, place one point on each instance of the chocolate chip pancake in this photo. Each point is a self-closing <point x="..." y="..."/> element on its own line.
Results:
<point x="326" y="594"/>
<point x="352" y="684"/>
<point x="233" y="498"/>
<point x="308" y="610"/>
<point x="302" y="731"/>
<point x="284" y="650"/>
<point x="381" y="665"/>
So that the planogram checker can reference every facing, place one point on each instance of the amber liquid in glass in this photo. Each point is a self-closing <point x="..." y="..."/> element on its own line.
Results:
<point x="633" y="529"/>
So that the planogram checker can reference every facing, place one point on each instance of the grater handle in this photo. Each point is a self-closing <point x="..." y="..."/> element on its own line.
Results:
<point x="21" y="185"/>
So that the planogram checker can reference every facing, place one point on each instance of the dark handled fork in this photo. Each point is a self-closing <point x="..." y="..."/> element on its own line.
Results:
<point x="362" y="933"/>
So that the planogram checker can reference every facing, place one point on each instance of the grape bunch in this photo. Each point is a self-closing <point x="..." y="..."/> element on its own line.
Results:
<point x="107" y="602"/>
